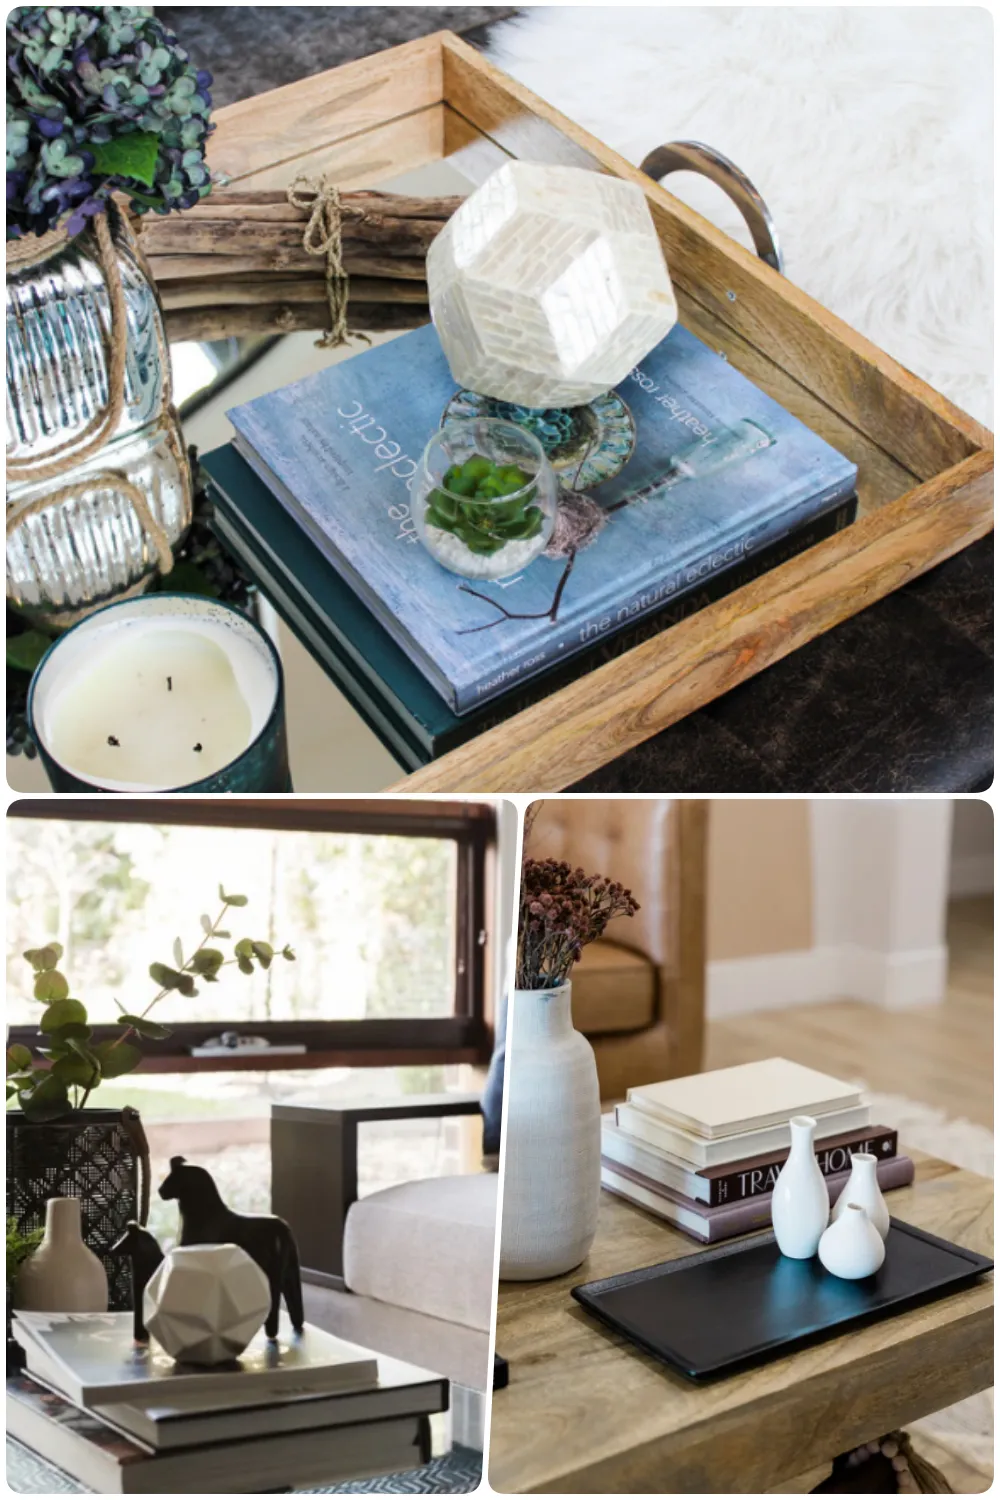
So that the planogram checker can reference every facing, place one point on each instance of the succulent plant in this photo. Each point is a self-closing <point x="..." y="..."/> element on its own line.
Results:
<point x="74" y="1064"/>
<point x="485" y="505"/>
<point x="100" y="99"/>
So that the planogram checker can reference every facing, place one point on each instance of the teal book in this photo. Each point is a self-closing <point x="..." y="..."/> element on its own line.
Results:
<point x="392" y="696"/>
<point x="719" y="472"/>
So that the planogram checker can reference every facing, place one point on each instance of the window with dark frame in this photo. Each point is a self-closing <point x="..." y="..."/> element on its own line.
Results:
<point x="446" y="844"/>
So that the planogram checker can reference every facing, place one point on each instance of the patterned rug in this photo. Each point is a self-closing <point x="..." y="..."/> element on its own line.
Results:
<point x="457" y="1473"/>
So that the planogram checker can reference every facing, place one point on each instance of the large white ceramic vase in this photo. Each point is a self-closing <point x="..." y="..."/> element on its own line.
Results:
<point x="552" y="1134"/>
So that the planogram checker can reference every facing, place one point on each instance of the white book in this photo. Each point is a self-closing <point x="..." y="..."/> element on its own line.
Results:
<point x="93" y="1359"/>
<point x="696" y="1151"/>
<point x="83" y="1447"/>
<point x="729" y="1101"/>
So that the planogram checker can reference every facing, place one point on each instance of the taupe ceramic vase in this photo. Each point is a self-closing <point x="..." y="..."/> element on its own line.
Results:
<point x="62" y="1275"/>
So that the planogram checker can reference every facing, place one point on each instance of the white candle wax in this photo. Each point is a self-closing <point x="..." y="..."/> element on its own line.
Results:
<point x="156" y="701"/>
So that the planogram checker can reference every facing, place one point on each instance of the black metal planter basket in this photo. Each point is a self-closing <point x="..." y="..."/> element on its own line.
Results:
<point x="97" y="1155"/>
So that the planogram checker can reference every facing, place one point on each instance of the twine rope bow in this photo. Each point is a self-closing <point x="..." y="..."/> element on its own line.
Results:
<point x="324" y="236"/>
<point x="24" y="254"/>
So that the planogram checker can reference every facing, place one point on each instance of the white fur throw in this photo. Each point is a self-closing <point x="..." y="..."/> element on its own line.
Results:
<point x="868" y="131"/>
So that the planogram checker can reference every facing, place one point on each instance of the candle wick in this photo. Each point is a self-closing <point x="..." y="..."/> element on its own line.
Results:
<point x="197" y="747"/>
<point x="170" y="684"/>
<point x="112" y="740"/>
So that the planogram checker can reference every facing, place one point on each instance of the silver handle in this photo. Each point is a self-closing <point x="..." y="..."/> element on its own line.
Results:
<point x="693" y="156"/>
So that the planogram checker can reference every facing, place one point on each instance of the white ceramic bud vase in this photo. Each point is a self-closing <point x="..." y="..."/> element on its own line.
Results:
<point x="800" y="1203"/>
<point x="862" y="1188"/>
<point x="852" y="1247"/>
<point x="62" y="1275"/>
<point x="552" y="1139"/>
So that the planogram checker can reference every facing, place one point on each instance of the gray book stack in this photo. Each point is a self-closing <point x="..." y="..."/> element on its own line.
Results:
<point x="125" y="1419"/>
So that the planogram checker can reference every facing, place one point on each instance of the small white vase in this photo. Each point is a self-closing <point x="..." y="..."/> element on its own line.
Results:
<point x="800" y="1203"/>
<point x="62" y="1275"/>
<point x="852" y="1247"/>
<point x="862" y="1188"/>
<point x="552" y="1139"/>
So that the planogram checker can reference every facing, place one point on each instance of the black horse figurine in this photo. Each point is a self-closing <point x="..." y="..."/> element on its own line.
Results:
<point x="145" y="1255"/>
<point x="205" y="1220"/>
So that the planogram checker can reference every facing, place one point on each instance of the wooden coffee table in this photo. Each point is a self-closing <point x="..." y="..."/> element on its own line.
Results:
<point x="586" y="1411"/>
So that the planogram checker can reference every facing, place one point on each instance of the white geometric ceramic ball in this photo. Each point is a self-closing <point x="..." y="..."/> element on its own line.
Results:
<point x="204" y="1303"/>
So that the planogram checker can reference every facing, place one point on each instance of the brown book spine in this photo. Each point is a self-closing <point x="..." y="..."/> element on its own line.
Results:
<point x="739" y="1180"/>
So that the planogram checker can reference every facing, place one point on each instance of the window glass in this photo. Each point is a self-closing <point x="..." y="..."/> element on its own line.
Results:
<point x="370" y="917"/>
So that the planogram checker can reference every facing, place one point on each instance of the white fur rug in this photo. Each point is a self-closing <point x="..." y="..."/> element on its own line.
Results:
<point x="868" y="130"/>
<point x="967" y="1428"/>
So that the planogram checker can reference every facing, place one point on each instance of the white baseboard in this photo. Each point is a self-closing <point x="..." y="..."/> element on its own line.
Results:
<point x="807" y="976"/>
<point x="971" y="875"/>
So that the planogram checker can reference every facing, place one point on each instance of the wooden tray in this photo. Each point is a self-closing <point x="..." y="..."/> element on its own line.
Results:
<point x="925" y="468"/>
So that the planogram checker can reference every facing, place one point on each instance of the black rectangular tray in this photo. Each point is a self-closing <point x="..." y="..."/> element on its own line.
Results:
<point x="739" y="1304"/>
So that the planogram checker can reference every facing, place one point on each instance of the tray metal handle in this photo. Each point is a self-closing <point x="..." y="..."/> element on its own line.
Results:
<point x="694" y="156"/>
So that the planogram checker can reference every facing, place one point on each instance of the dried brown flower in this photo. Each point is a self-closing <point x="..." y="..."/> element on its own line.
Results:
<point x="562" y="909"/>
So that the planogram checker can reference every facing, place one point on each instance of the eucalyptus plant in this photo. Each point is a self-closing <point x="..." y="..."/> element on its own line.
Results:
<point x="72" y="1065"/>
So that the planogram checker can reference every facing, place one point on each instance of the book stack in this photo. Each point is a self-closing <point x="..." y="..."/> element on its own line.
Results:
<point x="704" y="1152"/>
<point x="122" y="1418"/>
<point x="313" y="496"/>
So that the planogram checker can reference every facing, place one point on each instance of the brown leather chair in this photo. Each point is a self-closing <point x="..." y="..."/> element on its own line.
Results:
<point x="638" y="992"/>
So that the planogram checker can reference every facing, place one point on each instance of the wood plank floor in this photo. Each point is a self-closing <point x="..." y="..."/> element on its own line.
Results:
<point x="940" y="1054"/>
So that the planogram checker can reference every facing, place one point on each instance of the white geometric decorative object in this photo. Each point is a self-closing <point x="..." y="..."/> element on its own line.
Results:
<point x="204" y="1303"/>
<point x="548" y="285"/>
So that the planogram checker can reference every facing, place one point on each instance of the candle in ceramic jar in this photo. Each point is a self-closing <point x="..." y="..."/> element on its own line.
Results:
<point x="156" y="694"/>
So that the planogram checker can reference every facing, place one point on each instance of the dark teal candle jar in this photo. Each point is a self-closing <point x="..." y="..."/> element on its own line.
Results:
<point x="143" y="694"/>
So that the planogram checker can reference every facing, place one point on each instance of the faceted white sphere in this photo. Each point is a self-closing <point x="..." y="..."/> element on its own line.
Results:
<point x="204" y="1303"/>
<point x="548" y="285"/>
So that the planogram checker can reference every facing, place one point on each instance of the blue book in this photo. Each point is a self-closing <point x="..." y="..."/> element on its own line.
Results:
<point x="379" y="679"/>
<point x="720" y="471"/>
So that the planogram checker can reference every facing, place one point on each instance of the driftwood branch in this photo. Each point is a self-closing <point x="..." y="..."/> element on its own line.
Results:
<point x="247" y="290"/>
<point x="204" y="324"/>
<point x="235" y="264"/>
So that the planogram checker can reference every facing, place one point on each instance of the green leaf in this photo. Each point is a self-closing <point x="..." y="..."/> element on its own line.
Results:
<point x="18" y="1058"/>
<point x="152" y="1030"/>
<point x="244" y="948"/>
<point x="187" y="986"/>
<point x="188" y="578"/>
<point x="44" y="958"/>
<point x="132" y="155"/>
<point x="26" y="650"/>
<point x="75" y="1068"/>
<point x="264" y="953"/>
<point x="19" y="1081"/>
<point x="178" y="953"/>
<point x="219" y="933"/>
<point x="63" y="1013"/>
<point x="11" y="1091"/>
<point x="117" y="1058"/>
<point x="166" y="977"/>
<point x="231" y="900"/>
<point x="75" y="1031"/>
<point x="288" y="952"/>
<point x="47" y="1100"/>
<point x="245" y="965"/>
<point x="207" y="962"/>
<point x="51" y="985"/>
<point x="206" y="921"/>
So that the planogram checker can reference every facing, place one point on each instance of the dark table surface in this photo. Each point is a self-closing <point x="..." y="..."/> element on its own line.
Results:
<point x="899" y="698"/>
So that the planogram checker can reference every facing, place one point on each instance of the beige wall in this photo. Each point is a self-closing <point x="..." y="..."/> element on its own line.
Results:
<point x="759" y="878"/>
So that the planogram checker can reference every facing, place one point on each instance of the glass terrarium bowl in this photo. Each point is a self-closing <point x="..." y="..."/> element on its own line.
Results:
<point x="484" y="498"/>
